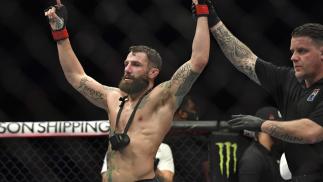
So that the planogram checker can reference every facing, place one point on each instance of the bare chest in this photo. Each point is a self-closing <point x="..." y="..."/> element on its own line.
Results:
<point x="130" y="118"/>
<point x="149" y="115"/>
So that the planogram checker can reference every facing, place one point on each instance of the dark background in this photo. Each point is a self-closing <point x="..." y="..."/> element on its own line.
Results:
<point x="33" y="87"/>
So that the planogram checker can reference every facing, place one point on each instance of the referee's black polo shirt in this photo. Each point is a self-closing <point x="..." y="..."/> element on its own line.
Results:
<point x="295" y="102"/>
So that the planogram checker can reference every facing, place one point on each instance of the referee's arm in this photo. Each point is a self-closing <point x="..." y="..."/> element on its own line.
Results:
<point x="303" y="131"/>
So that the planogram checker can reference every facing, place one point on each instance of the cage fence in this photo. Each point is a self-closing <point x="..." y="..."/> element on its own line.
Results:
<point x="80" y="159"/>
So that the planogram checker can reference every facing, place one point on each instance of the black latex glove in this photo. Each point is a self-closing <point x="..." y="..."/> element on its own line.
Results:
<point x="245" y="122"/>
<point x="213" y="16"/>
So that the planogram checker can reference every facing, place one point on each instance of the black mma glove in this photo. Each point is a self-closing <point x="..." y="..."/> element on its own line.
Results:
<point x="213" y="16"/>
<point x="58" y="22"/>
<point x="200" y="9"/>
<point x="248" y="122"/>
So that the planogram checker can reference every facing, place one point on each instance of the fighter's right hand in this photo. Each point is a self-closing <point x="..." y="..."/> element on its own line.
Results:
<point x="57" y="16"/>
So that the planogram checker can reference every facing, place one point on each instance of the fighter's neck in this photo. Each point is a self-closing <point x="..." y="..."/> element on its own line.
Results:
<point x="136" y="96"/>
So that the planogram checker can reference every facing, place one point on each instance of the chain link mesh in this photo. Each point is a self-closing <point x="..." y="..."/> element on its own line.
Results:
<point x="51" y="160"/>
<point x="189" y="153"/>
<point x="80" y="159"/>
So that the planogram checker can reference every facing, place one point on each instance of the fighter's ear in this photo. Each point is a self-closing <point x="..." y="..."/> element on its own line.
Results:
<point x="153" y="72"/>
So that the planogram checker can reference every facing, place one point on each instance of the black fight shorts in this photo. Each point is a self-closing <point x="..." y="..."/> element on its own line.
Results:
<point x="149" y="180"/>
<point x="308" y="178"/>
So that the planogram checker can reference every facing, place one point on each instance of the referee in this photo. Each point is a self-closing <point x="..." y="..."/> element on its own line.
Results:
<point x="297" y="92"/>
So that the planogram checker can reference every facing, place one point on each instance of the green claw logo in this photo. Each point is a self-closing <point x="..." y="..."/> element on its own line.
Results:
<point x="227" y="146"/>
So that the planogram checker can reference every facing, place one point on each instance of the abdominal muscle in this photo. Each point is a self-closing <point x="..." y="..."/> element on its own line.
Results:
<point x="148" y="129"/>
<point x="134" y="162"/>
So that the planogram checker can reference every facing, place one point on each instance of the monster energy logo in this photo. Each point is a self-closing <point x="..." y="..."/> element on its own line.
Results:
<point x="227" y="146"/>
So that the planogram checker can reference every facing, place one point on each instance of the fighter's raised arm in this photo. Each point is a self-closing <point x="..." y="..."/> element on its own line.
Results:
<point x="140" y="114"/>
<point x="185" y="76"/>
<point x="236" y="51"/>
<point x="73" y="70"/>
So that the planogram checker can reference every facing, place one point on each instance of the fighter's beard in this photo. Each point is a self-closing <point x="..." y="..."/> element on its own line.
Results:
<point x="137" y="85"/>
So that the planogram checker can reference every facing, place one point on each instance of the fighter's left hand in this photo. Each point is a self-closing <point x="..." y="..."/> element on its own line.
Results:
<point x="248" y="122"/>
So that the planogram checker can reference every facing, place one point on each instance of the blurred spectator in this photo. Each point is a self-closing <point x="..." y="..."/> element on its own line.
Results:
<point x="164" y="164"/>
<point x="188" y="111"/>
<point x="259" y="162"/>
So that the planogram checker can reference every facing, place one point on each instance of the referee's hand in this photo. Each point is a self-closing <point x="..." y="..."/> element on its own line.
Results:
<point x="245" y="122"/>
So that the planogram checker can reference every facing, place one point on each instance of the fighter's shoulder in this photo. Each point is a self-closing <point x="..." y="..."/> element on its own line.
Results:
<point x="113" y="93"/>
<point x="160" y="95"/>
<point x="162" y="91"/>
<point x="112" y="90"/>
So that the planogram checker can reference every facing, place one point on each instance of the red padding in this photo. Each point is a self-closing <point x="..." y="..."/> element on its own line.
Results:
<point x="60" y="35"/>
<point x="202" y="9"/>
